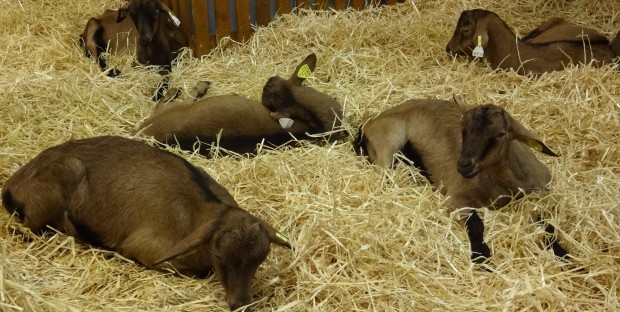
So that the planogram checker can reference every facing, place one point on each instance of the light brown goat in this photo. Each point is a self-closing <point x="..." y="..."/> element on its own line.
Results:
<point x="239" y="124"/>
<point x="145" y="203"/>
<point x="552" y="46"/>
<point x="149" y="23"/>
<point x="479" y="157"/>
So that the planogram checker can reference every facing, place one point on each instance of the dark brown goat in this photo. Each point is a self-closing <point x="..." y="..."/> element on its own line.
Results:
<point x="479" y="157"/>
<point x="615" y="45"/>
<point x="149" y="23"/>
<point x="145" y="203"/>
<point x="552" y="46"/>
<point x="238" y="124"/>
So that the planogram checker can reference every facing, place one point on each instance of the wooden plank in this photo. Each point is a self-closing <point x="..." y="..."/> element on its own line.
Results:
<point x="244" y="29"/>
<point x="263" y="15"/>
<point x="222" y="20"/>
<point x="321" y="5"/>
<point x="357" y="4"/>
<point x="283" y="7"/>
<point x="303" y="4"/>
<point x="201" y="27"/>
<point x="341" y="4"/>
<point x="390" y="2"/>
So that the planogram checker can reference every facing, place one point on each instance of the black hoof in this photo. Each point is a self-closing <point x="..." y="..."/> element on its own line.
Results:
<point x="480" y="253"/>
<point x="113" y="73"/>
<point x="161" y="92"/>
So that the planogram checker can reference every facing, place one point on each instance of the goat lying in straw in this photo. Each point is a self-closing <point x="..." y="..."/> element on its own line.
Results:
<point x="479" y="157"/>
<point x="150" y="23"/>
<point x="550" y="47"/>
<point x="145" y="203"/>
<point x="235" y="123"/>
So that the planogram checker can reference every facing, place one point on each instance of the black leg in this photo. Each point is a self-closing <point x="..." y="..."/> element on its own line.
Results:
<point x="551" y="241"/>
<point x="163" y="86"/>
<point x="480" y="252"/>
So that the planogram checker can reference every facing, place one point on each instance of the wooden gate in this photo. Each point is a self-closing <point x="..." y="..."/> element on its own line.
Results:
<point x="205" y="22"/>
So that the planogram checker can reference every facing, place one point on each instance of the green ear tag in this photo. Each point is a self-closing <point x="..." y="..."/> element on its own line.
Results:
<point x="535" y="145"/>
<point x="282" y="237"/>
<point x="304" y="72"/>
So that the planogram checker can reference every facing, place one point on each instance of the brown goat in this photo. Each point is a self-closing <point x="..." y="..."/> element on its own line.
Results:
<point x="550" y="47"/>
<point x="145" y="203"/>
<point x="557" y="29"/>
<point x="615" y="45"/>
<point x="238" y="124"/>
<point x="150" y="23"/>
<point x="478" y="157"/>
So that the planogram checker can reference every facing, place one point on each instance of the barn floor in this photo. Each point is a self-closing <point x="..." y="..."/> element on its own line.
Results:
<point x="362" y="241"/>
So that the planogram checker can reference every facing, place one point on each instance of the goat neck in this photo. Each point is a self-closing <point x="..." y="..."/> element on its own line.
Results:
<point x="519" y="172"/>
<point x="504" y="49"/>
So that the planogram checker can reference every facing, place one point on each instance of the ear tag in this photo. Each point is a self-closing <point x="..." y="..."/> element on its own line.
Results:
<point x="304" y="72"/>
<point x="536" y="146"/>
<point x="282" y="237"/>
<point x="174" y="19"/>
<point x="285" y="123"/>
<point x="478" y="51"/>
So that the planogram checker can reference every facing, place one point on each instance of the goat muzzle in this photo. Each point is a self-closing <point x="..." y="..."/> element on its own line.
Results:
<point x="145" y="40"/>
<point x="468" y="168"/>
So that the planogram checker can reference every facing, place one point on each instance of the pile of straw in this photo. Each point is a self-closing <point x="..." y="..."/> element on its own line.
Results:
<point x="362" y="241"/>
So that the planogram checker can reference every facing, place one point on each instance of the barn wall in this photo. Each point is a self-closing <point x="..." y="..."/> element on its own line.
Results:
<point x="205" y="22"/>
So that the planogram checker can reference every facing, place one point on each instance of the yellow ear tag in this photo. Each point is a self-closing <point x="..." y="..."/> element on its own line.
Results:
<point x="282" y="237"/>
<point x="478" y="51"/>
<point x="535" y="145"/>
<point x="304" y="72"/>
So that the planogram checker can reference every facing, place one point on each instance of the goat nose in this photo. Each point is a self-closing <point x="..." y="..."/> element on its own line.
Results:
<point x="467" y="167"/>
<point x="145" y="40"/>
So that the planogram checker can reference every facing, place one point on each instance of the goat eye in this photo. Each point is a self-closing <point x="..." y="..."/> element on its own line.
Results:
<point x="501" y="134"/>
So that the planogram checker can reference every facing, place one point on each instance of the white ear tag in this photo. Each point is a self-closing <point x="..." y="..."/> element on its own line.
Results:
<point x="174" y="19"/>
<point x="478" y="51"/>
<point x="285" y="123"/>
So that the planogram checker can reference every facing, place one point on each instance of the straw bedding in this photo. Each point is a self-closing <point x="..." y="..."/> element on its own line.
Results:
<point x="362" y="241"/>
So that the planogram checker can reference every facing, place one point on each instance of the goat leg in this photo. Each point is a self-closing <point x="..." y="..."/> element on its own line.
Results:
<point x="163" y="86"/>
<point x="480" y="252"/>
<point x="551" y="241"/>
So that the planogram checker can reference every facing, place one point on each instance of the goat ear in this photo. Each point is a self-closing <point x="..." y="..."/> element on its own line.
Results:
<point x="196" y="238"/>
<point x="303" y="70"/>
<point x="528" y="137"/>
<point x="122" y="14"/>
<point x="275" y="236"/>
<point x="481" y="30"/>
<point x="163" y="6"/>
<point x="462" y="104"/>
